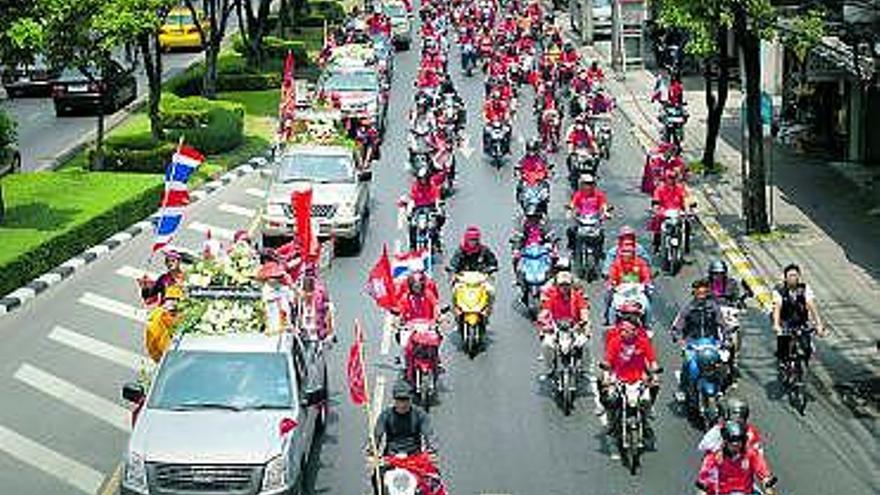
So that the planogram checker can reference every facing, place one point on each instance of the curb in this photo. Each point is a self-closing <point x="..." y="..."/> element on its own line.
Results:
<point x="19" y="297"/>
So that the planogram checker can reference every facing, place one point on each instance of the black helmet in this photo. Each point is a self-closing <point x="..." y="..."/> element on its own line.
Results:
<point x="532" y="210"/>
<point x="563" y="264"/>
<point x="718" y="267"/>
<point x="733" y="432"/>
<point x="533" y="145"/>
<point x="736" y="409"/>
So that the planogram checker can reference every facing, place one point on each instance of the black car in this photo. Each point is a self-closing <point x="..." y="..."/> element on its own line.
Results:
<point x="29" y="79"/>
<point x="73" y="92"/>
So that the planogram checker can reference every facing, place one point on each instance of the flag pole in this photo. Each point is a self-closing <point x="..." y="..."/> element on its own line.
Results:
<point x="164" y="201"/>
<point x="368" y="410"/>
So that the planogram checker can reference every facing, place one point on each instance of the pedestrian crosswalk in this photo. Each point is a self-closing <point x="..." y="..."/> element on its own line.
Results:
<point x="77" y="397"/>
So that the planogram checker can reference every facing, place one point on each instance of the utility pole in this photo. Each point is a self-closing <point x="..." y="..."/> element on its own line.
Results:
<point x="616" y="37"/>
<point x="587" y="34"/>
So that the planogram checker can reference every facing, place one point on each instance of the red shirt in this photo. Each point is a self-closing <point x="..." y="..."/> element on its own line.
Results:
<point x="417" y="307"/>
<point x="424" y="194"/>
<point x="560" y="307"/>
<point x="585" y="203"/>
<point x="634" y="266"/>
<point x="532" y="169"/>
<point x="720" y="475"/>
<point x="579" y="137"/>
<point x="670" y="197"/>
<point x="629" y="359"/>
<point x="495" y="110"/>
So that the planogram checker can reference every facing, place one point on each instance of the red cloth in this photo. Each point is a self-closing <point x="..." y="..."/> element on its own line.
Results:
<point x="302" y="213"/>
<point x="428" y="79"/>
<point x="415" y="307"/>
<point x="629" y="358"/>
<point x="495" y="110"/>
<point x="424" y="193"/>
<point x="670" y="197"/>
<point x="532" y="169"/>
<point x="621" y="267"/>
<point x="423" y="468"/>
<point x="570" y="57"/>
<point x="580" y="137"/>
<point x="676" y="93"/>
<point x="585" y="203"/>
<point x="595" y="75"/>
<point x="355" y="369"/>
<point x="721" y="475"/>
<point x="380" y="284"/>
<point x="558" y="306"/>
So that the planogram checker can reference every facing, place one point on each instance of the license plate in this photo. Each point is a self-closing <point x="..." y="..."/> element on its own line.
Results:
<point x="78" y="88"/>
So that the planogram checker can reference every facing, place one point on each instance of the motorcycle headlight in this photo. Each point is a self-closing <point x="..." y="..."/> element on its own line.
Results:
<point x="135" y="473"/>
<point x="400" y="481"/>
<point x="565" y="342"/>
<point x="275" y="474"/>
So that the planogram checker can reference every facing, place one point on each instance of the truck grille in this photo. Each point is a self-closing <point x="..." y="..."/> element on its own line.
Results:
<point x="323" y="211"/>
<point x="182" y="478"/>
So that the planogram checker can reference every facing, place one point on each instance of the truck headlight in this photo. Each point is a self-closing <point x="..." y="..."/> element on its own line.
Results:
<point x="346" y="211"/>
<point x="135" y="473"/>
<point x="275" y="474"/>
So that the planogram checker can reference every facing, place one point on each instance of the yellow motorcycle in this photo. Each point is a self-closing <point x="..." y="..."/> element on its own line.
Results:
<point x="471" y="305"/>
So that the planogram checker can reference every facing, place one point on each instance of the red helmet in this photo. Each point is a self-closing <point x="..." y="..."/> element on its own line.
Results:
<point x="471" y="239"/>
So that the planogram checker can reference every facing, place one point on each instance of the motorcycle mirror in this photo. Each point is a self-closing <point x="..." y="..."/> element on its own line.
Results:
<point x="604" y="366"/>
<point x="445" y="309"/>
<point x="747" y="289"/>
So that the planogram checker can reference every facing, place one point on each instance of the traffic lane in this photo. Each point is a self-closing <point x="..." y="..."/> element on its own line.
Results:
<point x="42" y="136"/>
<point x="339" y="465"/>
<point x="87" y="423"/>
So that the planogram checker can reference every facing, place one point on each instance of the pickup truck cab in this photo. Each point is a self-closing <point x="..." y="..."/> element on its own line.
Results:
<point x="233" y="413"/>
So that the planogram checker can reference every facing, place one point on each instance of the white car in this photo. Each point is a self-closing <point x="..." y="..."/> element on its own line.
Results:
<point x="401" y="24"/>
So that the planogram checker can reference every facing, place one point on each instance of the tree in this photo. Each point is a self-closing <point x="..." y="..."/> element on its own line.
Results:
<point x="7" y="140"/>
<point x="85" y="35"/>
<point x="253" y="26"/>
<point x="707" y="22"/>
<point x="212" y="27"/>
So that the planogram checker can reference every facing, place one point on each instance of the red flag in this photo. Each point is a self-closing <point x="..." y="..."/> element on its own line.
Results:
<point x="354" y="369"/>
<point x="380" y="284"/>
<point x="301" y="203"/>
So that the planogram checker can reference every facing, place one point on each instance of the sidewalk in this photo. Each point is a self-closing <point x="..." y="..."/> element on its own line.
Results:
<point x="824" y="223"/>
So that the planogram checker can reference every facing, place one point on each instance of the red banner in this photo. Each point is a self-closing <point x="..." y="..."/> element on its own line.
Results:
<point x="354" y="369"/>
<point x="301" y="203"/>
<point x="380" y="284"/>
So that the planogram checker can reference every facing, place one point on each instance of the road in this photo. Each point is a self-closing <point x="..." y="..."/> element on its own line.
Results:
<point x="65" y="355"/>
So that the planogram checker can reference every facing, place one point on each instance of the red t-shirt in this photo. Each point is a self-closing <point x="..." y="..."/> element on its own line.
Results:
<point x="670" y="197"/>
<point x="560" y="307"/>
<point x="721" y="475"/>
<point x="629" y="359"/>
<point x="584" y="203"/>
<point x="424" y="194"/>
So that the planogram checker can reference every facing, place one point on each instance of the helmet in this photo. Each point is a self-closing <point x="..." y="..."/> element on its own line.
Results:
<point x="422" y="173"/>
<point x="471" y="239"/>
<point x="736" y="409"/>
<point x="718" y="267"/>
<point x="626" y="232"/>
<point x="586" y="179"/>
<point x="173" y="292"/>
<point x="171" y="254"/>
<point x="416" y="281"/>
<point x="568" y="46"/>
<point x="564" y="278"/>
<point x="402" y="390"/>
<point x="533" y="145"/>
<point x="733" y="433"/>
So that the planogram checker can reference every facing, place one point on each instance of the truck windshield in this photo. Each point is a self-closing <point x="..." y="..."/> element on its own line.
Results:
<point x="191" y="380"/>
<point x="316" y="168"/>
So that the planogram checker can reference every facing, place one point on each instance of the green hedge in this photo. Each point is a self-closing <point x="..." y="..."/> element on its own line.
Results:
<point x="248" y="82"/>
<point x="327" y="9"/>
<point x="56" y="250"/>
<point x="119" y="158"/>
<point x="210" y="126"/>
<point x="274" y="53"/>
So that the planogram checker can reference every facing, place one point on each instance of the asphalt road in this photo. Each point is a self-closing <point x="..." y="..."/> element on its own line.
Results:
<point x="65" y="355"/>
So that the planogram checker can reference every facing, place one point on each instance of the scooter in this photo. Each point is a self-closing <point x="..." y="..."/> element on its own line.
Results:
<point x="471" y="306"/>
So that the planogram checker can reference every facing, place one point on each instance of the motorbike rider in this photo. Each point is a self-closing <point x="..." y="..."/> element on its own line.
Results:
<point x="794" y="306"/>
<point x="473" y="255"/>
<point x="378" y="22"/>
<point x="594" y="73"/>
<point x="734" y="468"/>
<point x="568" y="62"/>
<point x="627" y="267"/>
<point x="672" y="194"/>
<point x="447" y="89"/>
<point x="532" y="165"/>
<point x="154" y="291"/>
<point x="495" y="110"/>
<point x="629" y="358"/>
<point x="725" y="288"/>
<point x="626" y="237"/>
<point x="403" y="428"/>
<point x="733" y="409"/>
<point x="589" y="199"/>
<point x="427" y="77"/>
<point x="426" y="193"/>
<point x="700" y="318"/>
<point x="416" y="300"/>
<point x="562" y="301"/>
<point x="580" y="135"/>
<point x="534" y="230"/>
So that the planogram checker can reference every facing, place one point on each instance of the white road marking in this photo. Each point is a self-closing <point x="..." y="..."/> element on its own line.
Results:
<point x="466" y="149"/>
<point x="118" y="308"/>
<point x="135" y="273"/>
<point x="257" y="193"/>
<point x="216" y="232"/>
<point x="378" y="398"/>
<point x="74" y="396"/>
<point x="236" y="210"/>
<point x="97" y="348"/>
<point x="387" y="331"/>
<point x="67" y="470"/>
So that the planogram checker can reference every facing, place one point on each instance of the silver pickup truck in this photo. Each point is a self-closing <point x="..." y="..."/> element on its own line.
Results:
<point x="340" y="194"/>
<point x="235" y="414"/>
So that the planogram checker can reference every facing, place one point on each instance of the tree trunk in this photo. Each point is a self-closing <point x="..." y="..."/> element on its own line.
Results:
<point x="2" y="205"/>
<point x="152" y="55"/>
<point x="754" y="184"/>
<point x="98" y="162"/>
<point x="283" y="19"/>
<point x="715" y="104"/>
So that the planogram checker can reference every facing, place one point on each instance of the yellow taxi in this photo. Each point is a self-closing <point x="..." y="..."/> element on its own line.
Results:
<point x="179" y="30"/>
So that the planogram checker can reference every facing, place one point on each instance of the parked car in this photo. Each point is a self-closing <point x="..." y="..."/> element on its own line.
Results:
<point x="340" y="194"/>
<point x="359" y="92"/>
<point x="29" y="79"/>
<point x="229" y="413"/>
<point x="401" y="24"/>
<point x="73" y="92"/>
<point x="179" y="31"/>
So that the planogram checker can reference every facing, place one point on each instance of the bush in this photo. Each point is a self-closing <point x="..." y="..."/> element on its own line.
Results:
<point x="188" y="82"/>
<point x="120" y="158"/>
<point x="248" y="82"/>
<point x="327" y="9"/>
<point x="274" y="53"/>
<point x="33" y="261"/>
<point x="7" y="129"/>
<point x="210" y="126"/>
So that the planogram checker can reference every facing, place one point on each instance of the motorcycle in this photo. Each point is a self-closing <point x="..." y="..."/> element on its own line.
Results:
<point x="470" y="297"/>
<point x="795" y="368"/>
<point x="578" y="104"/>
<point x="568" y="362"/>
<point x="630" y="295"/>
<point x="534" y="196"/>
<point x="602" y="131"/>
<point x="631" y="400"/>
<point x="587" y="246"/>
<point x="673" y="119"/>
<point x="673" y="239"/>
<point x="706" y="381"/>
<point x="533" y="270"/>
<point x="550" y="128"/>
<point x="424" y="360"/>
<point x="581" y="161"/>
<point x="497" y="136"/>
<point x="423" y="228"/>
<point x="413" y="474"/>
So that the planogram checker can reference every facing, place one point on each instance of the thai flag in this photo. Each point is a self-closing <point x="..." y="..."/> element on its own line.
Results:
<point x="405" y="263"/>
<point x="176" y="195"/>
